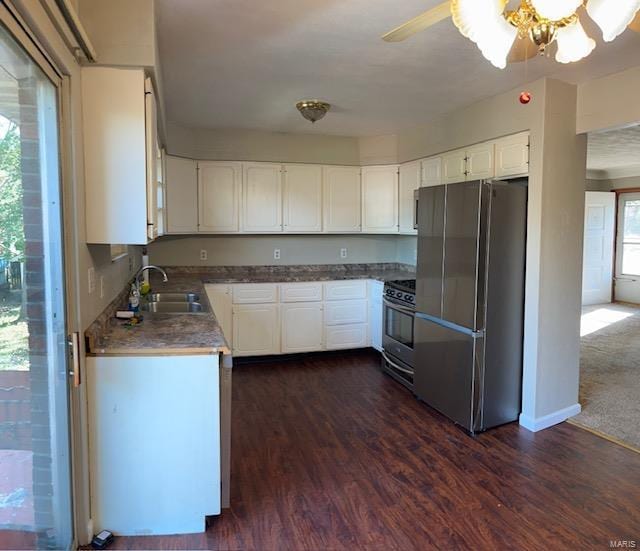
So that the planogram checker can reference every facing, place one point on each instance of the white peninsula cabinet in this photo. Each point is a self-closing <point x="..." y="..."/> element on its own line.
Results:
<point x="380" y="199"/>
<point x="262" y="198"/>
<point x="302" y="198"/>
<point x="138" y="410"/>
<point x="120" y="156"/>
<point x="219" y="191"/>
<point x="181" y="185"/>
<point x="342" y="192"/>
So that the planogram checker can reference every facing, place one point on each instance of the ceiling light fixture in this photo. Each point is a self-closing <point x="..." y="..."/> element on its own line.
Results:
<point x="543" y="22"/>
<point x="312" y="109"/>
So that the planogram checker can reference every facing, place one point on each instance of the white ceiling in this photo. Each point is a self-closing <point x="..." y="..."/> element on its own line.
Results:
<point x="245" y="63"/>
<point x="614" y="154"/>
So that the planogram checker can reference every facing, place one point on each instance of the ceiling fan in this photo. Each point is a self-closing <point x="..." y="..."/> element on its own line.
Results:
<point x="512" y="35"/>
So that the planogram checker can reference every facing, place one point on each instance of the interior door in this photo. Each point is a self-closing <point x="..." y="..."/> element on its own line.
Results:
<point x="597" y="267"/>
<point x="35" y="466"/>
<point x="627" y="282"/>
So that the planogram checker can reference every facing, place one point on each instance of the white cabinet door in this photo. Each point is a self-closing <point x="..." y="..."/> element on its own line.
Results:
<point x="256" y="329"/>
<point x="301" y="327"/>
<point x="345" y="290"/>
<point x="409" y="182"/>
<point x="431" y="172"/>
<point x="219" y="187"/>
<point x="151" y="142"/>
<point x="181" y="199"/>
<point x="310" y="291"/>
<point x="380" y="199"/>
<point x="220" y="298"/>
<point x="454" y="167"/>
<point x="342" y="199"/>
<point x="255" y="293"/>
<point x="339" y="337"/>
<point x="480" y="162"/>
<point x="302" y="199"/>
<point x="375" y="314"/>
<point x="262" y="198"/>
<point x="512" y="156"/>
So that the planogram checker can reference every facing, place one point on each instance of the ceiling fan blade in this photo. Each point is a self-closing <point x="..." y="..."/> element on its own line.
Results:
<point x="419" y="23"/>
<point x="635" y="24"/>
<point x="522" y="50"/>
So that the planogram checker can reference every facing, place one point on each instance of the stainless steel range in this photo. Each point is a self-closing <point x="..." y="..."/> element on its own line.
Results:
<point x="397" y="334"/>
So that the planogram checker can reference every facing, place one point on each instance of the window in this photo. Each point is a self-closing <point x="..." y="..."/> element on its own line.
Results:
<point x="631" y="237"/>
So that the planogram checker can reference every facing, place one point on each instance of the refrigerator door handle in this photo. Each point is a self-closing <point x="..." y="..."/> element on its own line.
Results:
<point x="453" y="326"/>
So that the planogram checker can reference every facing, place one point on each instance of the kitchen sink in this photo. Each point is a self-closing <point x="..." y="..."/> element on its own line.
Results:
<point x="173" y="297"/>
<point x="173" y="307"/>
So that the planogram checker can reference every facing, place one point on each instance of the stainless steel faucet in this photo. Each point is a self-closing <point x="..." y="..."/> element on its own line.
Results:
<point x="136" y="279"/>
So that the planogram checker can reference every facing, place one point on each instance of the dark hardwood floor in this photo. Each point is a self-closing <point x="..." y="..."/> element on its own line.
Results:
<point x="329" y="453"/>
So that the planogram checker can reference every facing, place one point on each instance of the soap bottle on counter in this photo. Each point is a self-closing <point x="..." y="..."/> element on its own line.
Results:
<point x="134" y="299"/>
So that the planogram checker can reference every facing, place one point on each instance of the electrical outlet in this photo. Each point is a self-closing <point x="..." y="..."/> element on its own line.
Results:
<point x="91" y="276"/>
<point x="276" y="254"/>
<point x="101" y="286"/>
<point x="343" y="252"/>
<point x="203" y="255"/>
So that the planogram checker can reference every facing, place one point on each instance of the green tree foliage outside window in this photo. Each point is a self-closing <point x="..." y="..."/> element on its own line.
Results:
<point x="11" y="224"/>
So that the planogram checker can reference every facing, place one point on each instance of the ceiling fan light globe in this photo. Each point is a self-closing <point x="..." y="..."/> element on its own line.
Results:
<point x="555" y="10"/>
<point x="612" y="16"/>
<point x="573" y="43"/>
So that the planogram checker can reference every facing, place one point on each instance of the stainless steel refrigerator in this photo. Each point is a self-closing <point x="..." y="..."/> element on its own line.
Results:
<point x="470" y="301"/>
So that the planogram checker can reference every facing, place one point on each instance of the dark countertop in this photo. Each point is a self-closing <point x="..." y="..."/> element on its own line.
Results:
<point x="186" y="334"/>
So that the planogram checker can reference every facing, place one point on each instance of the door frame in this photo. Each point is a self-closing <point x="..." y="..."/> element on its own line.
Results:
<point x="26" y="34"/>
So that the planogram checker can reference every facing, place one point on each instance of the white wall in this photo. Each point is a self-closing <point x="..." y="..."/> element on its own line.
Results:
<point x="609" y="102"/>
<point x="251" y="250"/>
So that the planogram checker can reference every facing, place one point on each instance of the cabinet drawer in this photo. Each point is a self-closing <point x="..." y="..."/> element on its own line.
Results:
<point x="345" y="312"/>
<point x="258" y="293"/>
<point x="301" y="292"/>
<point x="345" y="290"/>
<point x="346" y="336"/>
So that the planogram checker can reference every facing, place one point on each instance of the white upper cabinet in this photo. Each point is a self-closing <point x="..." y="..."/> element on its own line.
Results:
<point x="120" y="147"/>
<point x="219" y="189"/>
<point x="181" y="185"/>
<point x="380" y="199"/>
<point x="302" y="200"/>
<point x="431" y="172"/>
<point x="262" y="198"/>
<point x="480" y="162"/>
<point x="512" y="156"/>
<point x="342" y="199"/>
<point x="454" y="167"/>
<point x="409" y="182"/>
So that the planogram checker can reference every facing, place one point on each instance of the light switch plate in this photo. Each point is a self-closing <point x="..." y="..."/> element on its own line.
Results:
<point x="343" y="252"/>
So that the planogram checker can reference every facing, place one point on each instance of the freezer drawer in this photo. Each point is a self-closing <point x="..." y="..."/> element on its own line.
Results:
<point x="448" y="372"/>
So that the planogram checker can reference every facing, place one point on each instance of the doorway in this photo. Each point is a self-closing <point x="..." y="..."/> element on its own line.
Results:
<point x="35" y="486"/>
<point x="610" y="328"/>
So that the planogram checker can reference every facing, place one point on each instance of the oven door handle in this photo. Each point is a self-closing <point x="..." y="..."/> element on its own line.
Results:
<point x="397" y="307"/>
<point x="395" y="365"/>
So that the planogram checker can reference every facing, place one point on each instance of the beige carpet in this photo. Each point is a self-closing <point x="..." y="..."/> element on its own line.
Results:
<point x="610" y="371"/>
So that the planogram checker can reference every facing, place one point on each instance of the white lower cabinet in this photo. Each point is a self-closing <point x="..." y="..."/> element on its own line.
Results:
<point x="339" y="337"/>
<point x="287" y="318"/>
<point x="301" y="327"/>
<point x="376" y="291"/>
<point x="256" y="329"/>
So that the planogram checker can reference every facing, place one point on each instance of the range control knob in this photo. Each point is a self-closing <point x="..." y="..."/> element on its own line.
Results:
<point x="408" y="298"/>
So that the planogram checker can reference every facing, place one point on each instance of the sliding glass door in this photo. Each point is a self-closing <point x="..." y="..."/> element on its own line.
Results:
<point x="35" y="488"/>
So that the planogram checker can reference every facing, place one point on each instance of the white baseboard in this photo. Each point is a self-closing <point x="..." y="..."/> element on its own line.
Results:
<point x="541" y="423"/>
